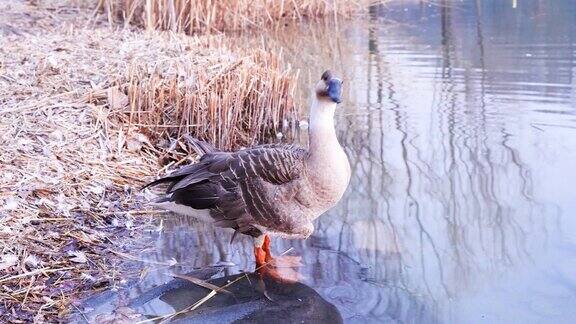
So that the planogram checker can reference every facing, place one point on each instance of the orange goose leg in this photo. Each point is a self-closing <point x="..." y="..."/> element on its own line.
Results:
<point x="266" y="248"/>
<point x="262" y="254"/>
<point x="260" y="257"/>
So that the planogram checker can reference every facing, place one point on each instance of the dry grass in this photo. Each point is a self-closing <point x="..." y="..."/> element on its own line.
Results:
<point x="191" y="16"/>
<point x="87" y="114"/>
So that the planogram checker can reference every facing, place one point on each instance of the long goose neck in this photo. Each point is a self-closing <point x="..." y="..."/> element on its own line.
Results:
<point x="322" y="134"/>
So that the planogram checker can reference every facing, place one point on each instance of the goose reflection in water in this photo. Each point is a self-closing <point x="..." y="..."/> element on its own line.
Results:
<point x="339" y="276"/>
<point x="241" y="302"/>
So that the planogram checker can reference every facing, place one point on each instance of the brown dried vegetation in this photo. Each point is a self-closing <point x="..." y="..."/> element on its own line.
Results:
<point x="226" y="99"/>
<point x="192" y="16"/>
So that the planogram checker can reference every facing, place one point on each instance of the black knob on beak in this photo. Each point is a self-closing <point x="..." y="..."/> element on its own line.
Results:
<point x="335" y="90"/>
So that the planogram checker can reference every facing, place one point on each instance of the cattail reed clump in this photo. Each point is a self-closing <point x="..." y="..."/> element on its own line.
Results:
<point x="193" y="16"/>
<point x="227" y="99"/>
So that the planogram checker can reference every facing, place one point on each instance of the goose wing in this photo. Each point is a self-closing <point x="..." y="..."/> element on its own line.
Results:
<point x="230" y="184"/>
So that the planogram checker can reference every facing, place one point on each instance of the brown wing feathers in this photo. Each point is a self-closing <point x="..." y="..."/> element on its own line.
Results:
<point x="229" y="183"/>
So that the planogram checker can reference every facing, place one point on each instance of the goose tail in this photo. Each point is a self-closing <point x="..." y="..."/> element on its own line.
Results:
<point x="200" y="147"/>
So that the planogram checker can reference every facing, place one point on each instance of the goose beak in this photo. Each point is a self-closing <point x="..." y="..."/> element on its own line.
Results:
<point x="335" y="90"/>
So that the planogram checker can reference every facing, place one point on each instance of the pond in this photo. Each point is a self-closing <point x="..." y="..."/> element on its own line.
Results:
<point x="460" y="126"/>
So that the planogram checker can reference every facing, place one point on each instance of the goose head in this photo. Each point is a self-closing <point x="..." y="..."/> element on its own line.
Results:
<point x="329" y="88"/>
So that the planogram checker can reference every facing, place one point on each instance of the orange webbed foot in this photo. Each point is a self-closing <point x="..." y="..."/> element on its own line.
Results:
<point x="280" y="268"/>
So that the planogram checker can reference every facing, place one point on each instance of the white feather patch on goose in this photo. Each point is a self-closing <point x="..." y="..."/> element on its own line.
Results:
<point x="288" y="236"/>
<point x="200" y="214"/>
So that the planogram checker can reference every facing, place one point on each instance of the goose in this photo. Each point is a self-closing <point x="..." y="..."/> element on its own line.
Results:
<point x="266" y="190"/>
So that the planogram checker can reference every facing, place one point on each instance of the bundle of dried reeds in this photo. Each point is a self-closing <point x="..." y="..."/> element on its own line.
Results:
<point x="192" y="16"/>
<point x="228" y="100"/>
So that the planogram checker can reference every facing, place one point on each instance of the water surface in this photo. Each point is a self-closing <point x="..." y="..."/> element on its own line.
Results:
<point x="460" y="126"/>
